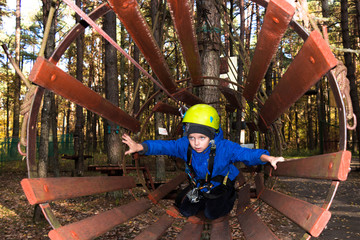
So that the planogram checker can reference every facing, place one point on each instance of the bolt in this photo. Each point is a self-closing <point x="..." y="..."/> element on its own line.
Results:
<point x="53" y="77"/>
<point x="312" y="60"/>
<point x="275" y="20"/>
<point x="331" y="164"/>
<point x="74" y="235"/>
<point x="46" y="188"/>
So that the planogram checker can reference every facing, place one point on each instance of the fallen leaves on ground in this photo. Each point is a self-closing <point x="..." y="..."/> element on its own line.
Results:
<point x="16" y="214"/>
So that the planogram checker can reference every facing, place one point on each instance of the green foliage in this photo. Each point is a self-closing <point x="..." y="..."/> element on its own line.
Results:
<point x="302" y="153"/>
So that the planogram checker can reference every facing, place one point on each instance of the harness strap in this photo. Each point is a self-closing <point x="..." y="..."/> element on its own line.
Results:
<point x="218" y="178"/>
<point x="189" y="168"/>
<point x="211" y="162"/>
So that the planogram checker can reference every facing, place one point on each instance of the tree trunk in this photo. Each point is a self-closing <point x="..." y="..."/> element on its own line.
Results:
<point x="357" y="6"/>
<point x="268" y="80"/>
<point x="122" y="68"/>
<point x="54" y="160"/>
<point x="231" y="13"/>
<point x="94" y="132"/>
<point x="68" y="109"/>
<point x="79" y="125"/>
<point x="17" y="84"/>
<point x="159" y="117"/>
<point x="67" y="127"/>
<point x="112" y="89"/>
<point x="350" y="65"/>
<point x="7" y="135"/>
<point x="325" y="8"/>
<point x="290" y="126"/>
<point x="320" y="96"/>
<point x="136" y="106"/>
<point x="48" y="96"/>
<point x="240" y="72"/>
<point x="310" y="125"/>
<point x="297" y="128"/>
<point x="249" y="26"/>
<point x="209" y="46"/>
<point x="89" y="137"/>
<point x="46" y="110"/>
<point x="44" y="135"/>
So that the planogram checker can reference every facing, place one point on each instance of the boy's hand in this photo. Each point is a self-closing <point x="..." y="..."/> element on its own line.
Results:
<point x="275" y="160"/>
<point x="133" y="146"/>
<point x="272" y="160"/>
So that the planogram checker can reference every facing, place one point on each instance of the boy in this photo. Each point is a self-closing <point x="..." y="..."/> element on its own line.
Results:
<point x="209" y="162"/>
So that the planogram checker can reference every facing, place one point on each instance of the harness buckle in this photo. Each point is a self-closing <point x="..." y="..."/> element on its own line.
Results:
<point x="182" y="111"/>
<point x="193" y="195"/>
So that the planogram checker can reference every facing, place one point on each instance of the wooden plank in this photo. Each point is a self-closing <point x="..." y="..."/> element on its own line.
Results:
<point x="243" y="197"/>
<point x="220" y="230"/>
<point x="313" y="61"/>
<point x="232" y="96"/>
<point x="96" y="225"/>
<point x="191" y="231"/>
<point x="252" y="226"/>
<point x="128" y="11"/>
<point x="187" y="97"/>
<point x="49" y="76"/>
<point x="277" y="18"/>
<point x="310" y="217"/>
<point x="164" y="189"/>
<point x="156" y="230"/>
<point x="331" y="166"/>
<point x="166" y="108"/>
<point x="181" y="14"/>
<point x="40" y="190"/>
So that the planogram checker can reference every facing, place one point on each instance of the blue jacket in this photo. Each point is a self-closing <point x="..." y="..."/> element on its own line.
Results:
<point x="227" y="152"/>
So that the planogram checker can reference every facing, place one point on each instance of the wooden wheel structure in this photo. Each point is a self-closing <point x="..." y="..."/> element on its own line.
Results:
<point x="313" y="61"/>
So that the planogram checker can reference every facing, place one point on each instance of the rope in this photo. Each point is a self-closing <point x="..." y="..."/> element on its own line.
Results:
<point x="25" y="107"/>
<point x="16" y="66"/>
<point x="24" y="110"/>
<point x="47" y="28"/>
<point x="340" y="73"/>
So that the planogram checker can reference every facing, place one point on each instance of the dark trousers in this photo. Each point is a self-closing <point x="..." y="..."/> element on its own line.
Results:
<point x="213" y="208"/>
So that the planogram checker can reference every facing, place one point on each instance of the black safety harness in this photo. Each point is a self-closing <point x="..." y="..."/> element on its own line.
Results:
<point x="206" y="183"/>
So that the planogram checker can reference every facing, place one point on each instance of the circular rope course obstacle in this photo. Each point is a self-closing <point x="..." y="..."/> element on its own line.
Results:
<point x="313" y="61"/>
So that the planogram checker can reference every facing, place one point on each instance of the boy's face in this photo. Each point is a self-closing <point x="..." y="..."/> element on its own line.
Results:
<point x="199" y="142"/>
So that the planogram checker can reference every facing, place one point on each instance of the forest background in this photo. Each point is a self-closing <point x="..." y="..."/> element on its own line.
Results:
<point x="230" y="28"/>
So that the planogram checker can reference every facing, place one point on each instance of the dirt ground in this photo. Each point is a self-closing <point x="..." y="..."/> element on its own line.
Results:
<point x="16" y="214"/>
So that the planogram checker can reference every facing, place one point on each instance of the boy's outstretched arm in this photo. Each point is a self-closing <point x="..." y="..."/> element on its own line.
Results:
<point x="272" y="160"/>
<point x="133" y="146"/>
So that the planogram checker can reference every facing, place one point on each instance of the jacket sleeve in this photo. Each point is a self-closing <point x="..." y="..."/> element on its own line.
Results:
<point x="248" y="156"/>
<point x="173" y="148"/>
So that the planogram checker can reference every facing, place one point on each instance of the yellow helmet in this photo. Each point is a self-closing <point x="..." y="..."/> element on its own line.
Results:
<point x="202" y="114"/>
